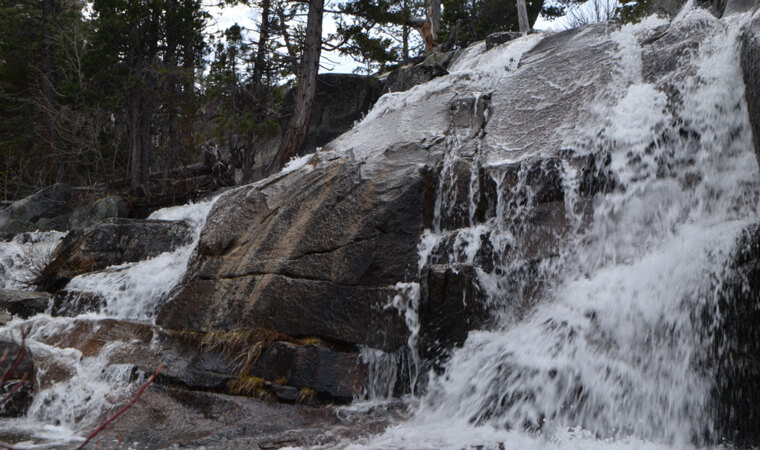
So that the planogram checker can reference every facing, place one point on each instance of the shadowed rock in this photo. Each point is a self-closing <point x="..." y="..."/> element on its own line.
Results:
<point x="24" y="304"/>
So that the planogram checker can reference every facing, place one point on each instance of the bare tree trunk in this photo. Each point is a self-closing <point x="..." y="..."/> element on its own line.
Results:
<point x="295" y="135"/>
<point x="135" y="143"/>
<point x="141" y="108"/>
<point x="47" y="82"/>
<point x="259" y="92"/>
<point x="522" y="17"/>
<point x="425" y="30"/>
<point x="434" y="15"/>
<point x="188" y="143"/>
<point x="405" y="33"/>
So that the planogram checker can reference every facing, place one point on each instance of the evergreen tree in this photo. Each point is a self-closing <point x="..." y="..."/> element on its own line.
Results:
<point x="33" y="68"/>
<point x="143" y="61"/>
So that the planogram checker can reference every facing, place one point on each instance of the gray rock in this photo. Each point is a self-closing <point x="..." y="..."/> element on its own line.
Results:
<point x="115" y="241"/>
<point x="341" y="100"/>
<point x="750" y="60"/>
<point x="108" y="207"/>
<point x="407" y="77"/>
<point x="44" y="210"/>
<point x="499" y="38"/>
<point x="24" y="304"/>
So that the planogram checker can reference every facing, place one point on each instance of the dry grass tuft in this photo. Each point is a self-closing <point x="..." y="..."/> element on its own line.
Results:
<point x="306" y="395"/>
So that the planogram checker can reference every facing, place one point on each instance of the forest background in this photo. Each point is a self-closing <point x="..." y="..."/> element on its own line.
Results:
<point x="123" y="92"/>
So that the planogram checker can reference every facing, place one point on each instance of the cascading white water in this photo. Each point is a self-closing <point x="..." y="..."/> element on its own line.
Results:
<point x="610" y="355"/>
<point x="135" y="290"/>
<point x="91" y="384"/>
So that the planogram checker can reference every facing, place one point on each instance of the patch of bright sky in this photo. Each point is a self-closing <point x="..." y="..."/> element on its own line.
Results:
<point x="248" y="18"/>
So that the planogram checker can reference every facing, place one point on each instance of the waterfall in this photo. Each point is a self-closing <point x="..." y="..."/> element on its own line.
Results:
<point x="93" y="381"/>
<point x="597" y="339"/>
<point x="588" y="251"/>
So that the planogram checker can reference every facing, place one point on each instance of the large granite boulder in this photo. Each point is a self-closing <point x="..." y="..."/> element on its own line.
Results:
<point x="60" y="207"/>
<point x="115" y="241"/>
<point x="341" y="100"/>
<point x="407" y="77"/>
<point x="315" y="252"/>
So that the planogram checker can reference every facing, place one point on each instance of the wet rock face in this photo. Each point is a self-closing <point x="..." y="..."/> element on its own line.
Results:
<point x="116" y="241"/>
<point x="750" y="59"/>
<point x="19" y="366"/>
<point x="312" y="253"/>
<point x="339" y="375"/>
<point x="734" y="332"/>
<point x="451" y="305"/>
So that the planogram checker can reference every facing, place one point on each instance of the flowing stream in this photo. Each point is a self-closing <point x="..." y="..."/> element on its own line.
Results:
<point x="606" y="353"/>
<point x="94" y="382"/>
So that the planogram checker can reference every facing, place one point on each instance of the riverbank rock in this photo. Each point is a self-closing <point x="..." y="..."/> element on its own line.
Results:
<point x="98" y="211"/>
<point x="115" y="241"/>
<point x="47" y="209"/>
